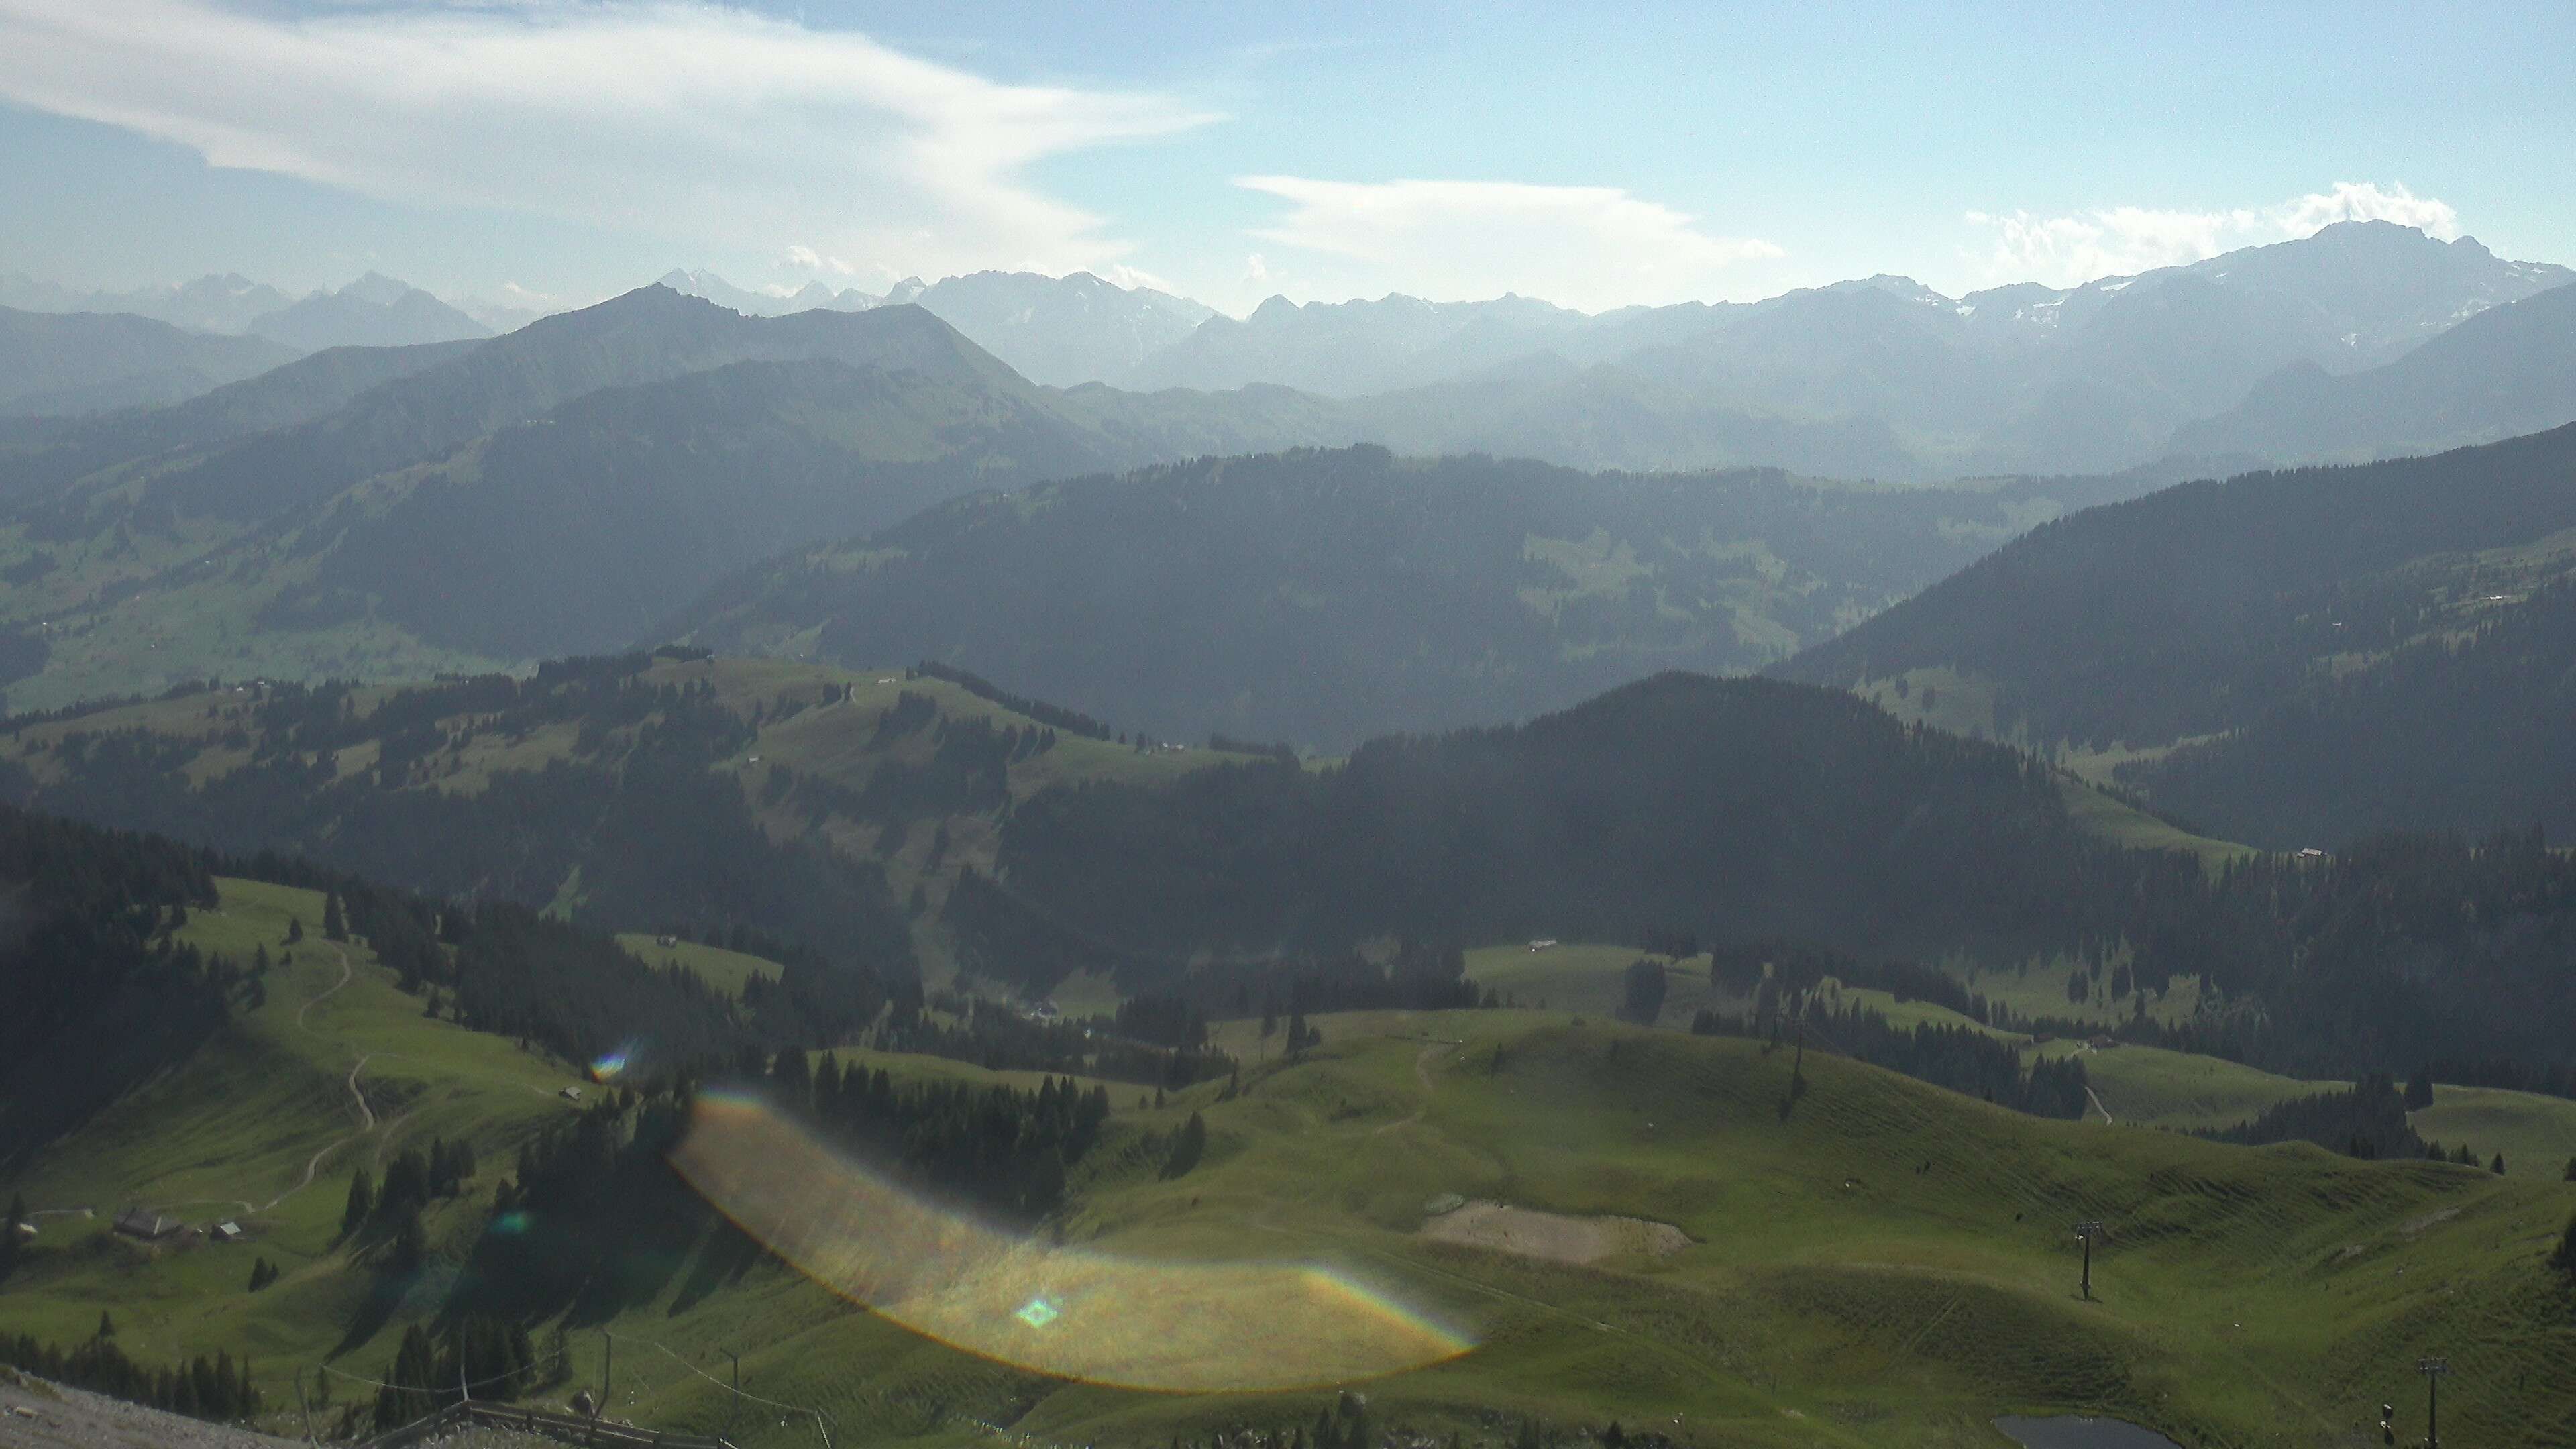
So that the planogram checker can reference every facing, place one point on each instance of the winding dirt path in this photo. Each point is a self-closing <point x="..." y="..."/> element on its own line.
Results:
<point x="2098" y="1107"/>
<point x="1422" y="1074"/>
<point x="357" y="1098"/>
<point x="347" y="972"/>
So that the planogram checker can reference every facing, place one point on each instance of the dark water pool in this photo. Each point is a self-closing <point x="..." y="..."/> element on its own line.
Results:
<point x="2070" y="1432"/>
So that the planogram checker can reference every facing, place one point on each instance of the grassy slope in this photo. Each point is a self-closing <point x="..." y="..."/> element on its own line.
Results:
<point x="835" y="743"/>
<point x="2108" y="819"/>
<point x="2188" y="1092"/>
<point x="726" y="971"/>
<point x="1832" y="1295"/>
<point x="2146" y="1086"/>
<point x="230" y="1134"/>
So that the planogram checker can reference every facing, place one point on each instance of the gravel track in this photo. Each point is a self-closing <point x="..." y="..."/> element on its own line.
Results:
<point x="35" y="1414"/>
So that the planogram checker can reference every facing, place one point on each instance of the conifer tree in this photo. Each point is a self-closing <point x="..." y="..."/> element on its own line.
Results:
<point x="335" y="927"/>
<point x="361" y="1204"/>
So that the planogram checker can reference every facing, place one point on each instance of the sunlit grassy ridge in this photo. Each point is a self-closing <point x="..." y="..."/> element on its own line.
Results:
<point x="231" y="1134"/>
<point x="1875" y="1262"/>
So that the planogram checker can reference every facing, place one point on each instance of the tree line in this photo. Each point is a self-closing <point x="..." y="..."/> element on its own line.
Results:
<point x="217" y="1388"/>
<point x="637" y="812"/>
<point x="1960" y="1058"/>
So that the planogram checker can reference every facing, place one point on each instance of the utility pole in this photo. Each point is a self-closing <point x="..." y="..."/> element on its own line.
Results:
<point x="736" y="1411"/>
<point x="2088" y="1230"/>
<point x="608" y="1371"/>
<point x="2432" y="1369"/>
<point x="306" y="1407"/>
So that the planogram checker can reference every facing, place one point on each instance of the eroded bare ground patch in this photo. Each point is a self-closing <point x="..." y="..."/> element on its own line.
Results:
<point x="1553" y="1236"/>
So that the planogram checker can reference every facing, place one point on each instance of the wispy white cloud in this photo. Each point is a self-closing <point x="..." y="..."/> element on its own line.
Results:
<point x="1588" y="247"/>
<point x="694" y="120"/>
<point x="2064" y="251"/>
<point x="1120" y="274"/>
<point x="803" y="258"/>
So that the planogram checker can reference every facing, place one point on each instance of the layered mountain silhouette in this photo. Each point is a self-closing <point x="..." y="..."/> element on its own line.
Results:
<point x="555" y="490"/>
<point x="1328" y="595"/>
<point x="376" y="510"/>
<point x="2287" y="657"/>
<point x="1879" y="377"/>
<point x="89" y="362"/>
<point x="2508" y="370"/>
<point x="373" y="311"/>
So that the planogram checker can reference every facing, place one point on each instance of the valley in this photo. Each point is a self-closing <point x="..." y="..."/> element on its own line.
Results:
<point x="1254" y="728"/>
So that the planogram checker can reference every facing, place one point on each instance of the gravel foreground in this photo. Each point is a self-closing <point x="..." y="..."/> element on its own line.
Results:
<point x="36" y="1414"/>
<point x="56" y="1417"/>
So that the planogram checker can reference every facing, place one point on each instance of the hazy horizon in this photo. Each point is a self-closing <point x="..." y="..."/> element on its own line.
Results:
<point x="547" y="156"/>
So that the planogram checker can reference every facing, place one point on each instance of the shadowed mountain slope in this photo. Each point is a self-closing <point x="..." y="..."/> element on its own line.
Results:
<point x="1326" y="596"/>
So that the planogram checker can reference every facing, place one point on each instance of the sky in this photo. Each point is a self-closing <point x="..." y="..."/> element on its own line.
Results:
<point x="553" y="152"/>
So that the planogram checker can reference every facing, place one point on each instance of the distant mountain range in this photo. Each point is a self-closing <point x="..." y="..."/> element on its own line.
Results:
<point x="2234" y="361"/>
<point x="2505" y="371"/>
<point x="1056" y="331"/>
<point x="395" y="511"/>
<point x="2291" y="658"/>
<point x="577" y="484"/>
<point x="87" y="362"/>
<point x="379" y="512"/>
<point x="373" y="311"/>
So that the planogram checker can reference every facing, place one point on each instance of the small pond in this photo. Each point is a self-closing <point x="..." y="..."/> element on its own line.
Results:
<point x="2069" y="1431"/>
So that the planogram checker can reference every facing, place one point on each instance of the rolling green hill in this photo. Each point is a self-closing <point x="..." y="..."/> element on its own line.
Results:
<point x="1886" y="1262"/>
<point x="2289" y="659"/>
<point x="883" y="819"/>
<point x="642" y="794"/>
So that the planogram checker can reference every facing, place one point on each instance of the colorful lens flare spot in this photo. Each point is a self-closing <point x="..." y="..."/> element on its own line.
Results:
<point x="609" y="1067"/>
<point x="1038" y="1313"/>
<point x="1146" y="1324"/>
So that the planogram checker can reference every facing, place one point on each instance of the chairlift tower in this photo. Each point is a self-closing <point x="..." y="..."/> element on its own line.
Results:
<point x="2088" y="1230"/>
<point x="2432" y="1369"/>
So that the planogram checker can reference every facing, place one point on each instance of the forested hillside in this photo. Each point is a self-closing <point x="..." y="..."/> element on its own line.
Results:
<point x="1686" y="808"/>
<point x="2373" y="642"/>
<point x="1322" y="597"/>
<point x="406" y="511"/>
<point x="1681" y="804"/>
<point x="593" y="788"/>
<point x="813" y="808"/>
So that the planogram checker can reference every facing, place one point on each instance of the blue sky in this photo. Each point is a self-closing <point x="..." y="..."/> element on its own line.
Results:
<point x="1594" y="155"/>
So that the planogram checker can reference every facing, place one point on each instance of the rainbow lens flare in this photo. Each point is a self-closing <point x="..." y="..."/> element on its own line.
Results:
<point x="1071" y="1312"/>
<point x="613" y="1065"/>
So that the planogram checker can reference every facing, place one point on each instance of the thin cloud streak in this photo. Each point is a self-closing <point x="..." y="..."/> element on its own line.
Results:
<point x="686" y="119"/>
<point x="1586" y="247"/>
<point x="2067" y="251"/>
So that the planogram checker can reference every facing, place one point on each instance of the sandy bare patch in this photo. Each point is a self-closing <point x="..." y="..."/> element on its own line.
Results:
<point x="1553" y="1236"/>
<point x="2417" y="1225"/>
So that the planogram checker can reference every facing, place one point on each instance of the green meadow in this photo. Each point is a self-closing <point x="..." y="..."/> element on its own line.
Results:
<point x="1861" y="1260"/>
